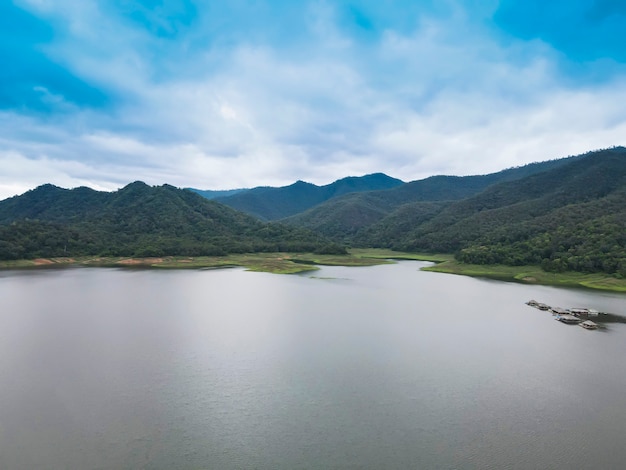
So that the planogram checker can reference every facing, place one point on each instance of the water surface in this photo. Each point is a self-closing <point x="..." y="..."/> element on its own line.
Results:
<point x="377" y="367"/>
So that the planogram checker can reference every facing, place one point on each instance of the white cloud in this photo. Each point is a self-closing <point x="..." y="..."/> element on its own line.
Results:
<point x="447" y="97"/>
<point x="19" y="173"/>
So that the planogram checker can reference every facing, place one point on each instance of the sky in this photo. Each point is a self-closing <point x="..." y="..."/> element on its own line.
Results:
<point x="217" y="94"/>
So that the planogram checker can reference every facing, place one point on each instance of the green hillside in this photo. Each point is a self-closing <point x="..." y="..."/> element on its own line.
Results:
<point x="137" y="220"/>
<point x="267" y="203"/>
<point x="348" y="218"/>
<point x="569" y="218"/>
<point x="210" y="194"/>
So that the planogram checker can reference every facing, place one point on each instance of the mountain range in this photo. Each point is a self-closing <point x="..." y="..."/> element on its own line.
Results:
<point x="571" y="217"/>
<point x="564" y="214"/>
<point x="138" y="220"/>
<point x="268" y="203"/>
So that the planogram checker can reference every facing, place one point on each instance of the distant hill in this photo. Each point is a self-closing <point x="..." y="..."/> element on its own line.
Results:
<point x="571" y="217"/>
<point x="210" y="194"/>
<point x="342" y="218"/>
<point x="137" y="220"/>
<point x="267" y="203"/>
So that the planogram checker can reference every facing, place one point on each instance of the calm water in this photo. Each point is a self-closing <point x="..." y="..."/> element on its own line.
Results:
<point x="380" y="367"/>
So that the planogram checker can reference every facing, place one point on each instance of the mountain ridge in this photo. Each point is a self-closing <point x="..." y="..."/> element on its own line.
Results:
<point x="341" y="214"/>
<point x="274" y="203"/>
<point x="567" y="218"/>
<point x="137" y="220"/>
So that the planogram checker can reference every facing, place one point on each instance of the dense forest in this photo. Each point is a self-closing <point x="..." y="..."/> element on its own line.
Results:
<point x="138" y="220"/>
<point x="569" y="218"/>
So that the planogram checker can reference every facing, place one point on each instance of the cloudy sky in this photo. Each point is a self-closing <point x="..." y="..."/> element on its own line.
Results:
<point x="219" y="94"/>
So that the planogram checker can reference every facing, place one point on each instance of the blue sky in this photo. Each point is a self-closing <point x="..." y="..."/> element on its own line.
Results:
<point x="240" y="93"/>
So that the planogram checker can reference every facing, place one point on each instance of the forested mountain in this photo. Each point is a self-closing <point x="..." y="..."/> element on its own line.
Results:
<point x="567" y="214"/>
<point x="344" y="217"/>
<point x="269" y="203"/>
<point x="568" y="218"/>
<point x="51" y="203"/>
<point x="137" y="220"/>
<point x="211" y="194"/>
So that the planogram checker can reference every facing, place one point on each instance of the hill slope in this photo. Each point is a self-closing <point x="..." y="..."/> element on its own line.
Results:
<point x="268" y="203"/>
<point x="342" y="218"/>
<point x="137" y="220"/>
<point x="567" y="218"/>
<point x="210" y="194"/>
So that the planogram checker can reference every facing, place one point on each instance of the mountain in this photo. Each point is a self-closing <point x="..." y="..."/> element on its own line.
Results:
<point x="267" y="203"/>
<point x="210" y="194"/>
<point x="342" y="218"/>
<point x="51" y="203"/>
<point x="572" y="217"/>
<point x="137" y="220"/>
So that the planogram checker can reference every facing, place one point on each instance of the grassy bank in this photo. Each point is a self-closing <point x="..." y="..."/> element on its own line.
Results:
<point x="291" y="263"/>
<point x="379" y="253"/>
<point x="280" y="263"/>
<point x="532" y="275"/>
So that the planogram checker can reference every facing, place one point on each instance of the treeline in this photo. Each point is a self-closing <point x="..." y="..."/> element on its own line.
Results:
<point x="597" y="245"/>
<point x="35" y="239"/>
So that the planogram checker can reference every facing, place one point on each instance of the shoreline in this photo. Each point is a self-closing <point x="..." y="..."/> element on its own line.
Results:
<point x="293" y="263"/>
<point x="533" y="275"/>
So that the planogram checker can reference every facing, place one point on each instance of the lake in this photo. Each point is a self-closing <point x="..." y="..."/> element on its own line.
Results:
<point x="370" y="367"/>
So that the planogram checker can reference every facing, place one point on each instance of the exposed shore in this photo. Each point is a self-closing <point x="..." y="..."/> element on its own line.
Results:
<point x="280" y="263"/>
<point x="291" y="263"/>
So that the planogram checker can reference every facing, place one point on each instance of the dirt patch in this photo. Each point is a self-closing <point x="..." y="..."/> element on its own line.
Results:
<point x="42" y="261"/>
<point x="135" y="261"/>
